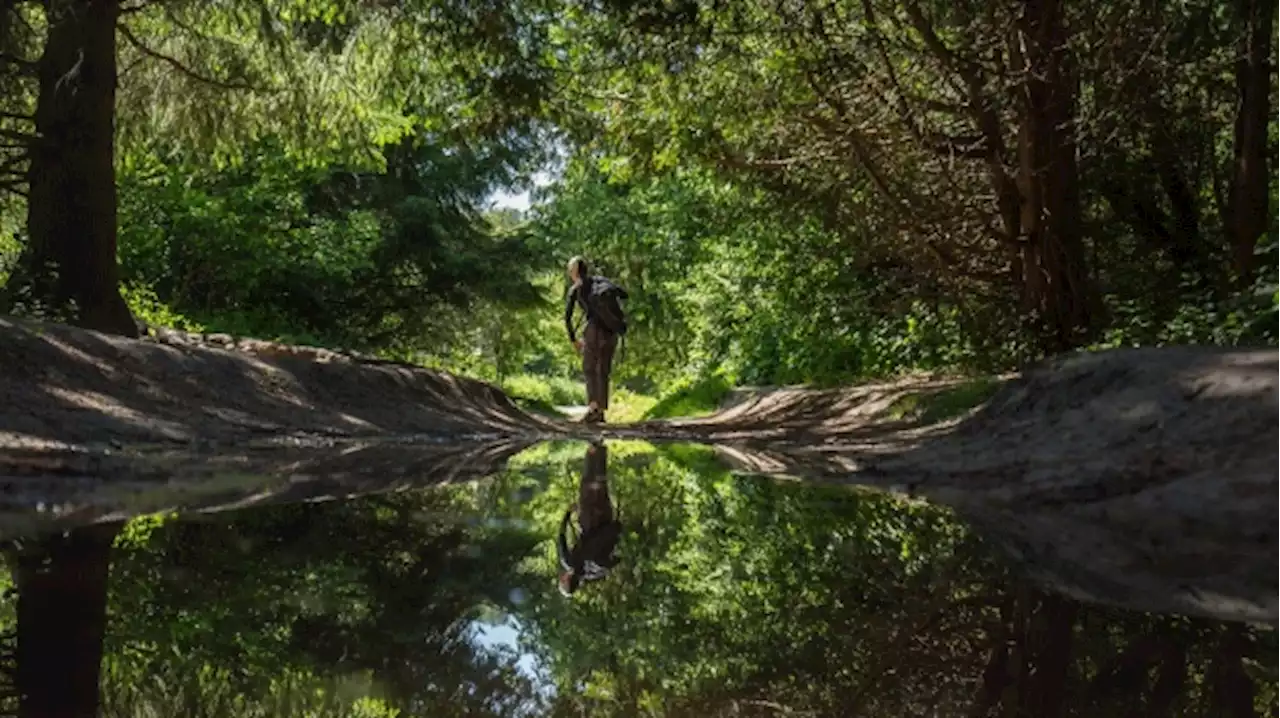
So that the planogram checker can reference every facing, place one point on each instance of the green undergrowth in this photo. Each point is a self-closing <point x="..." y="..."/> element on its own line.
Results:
<point x="147" y="307"/>
<point x="697" y="397"/>
<point x="928" y="407"/>
<point x="700" y="459"/>
<point x="626" y="406"/>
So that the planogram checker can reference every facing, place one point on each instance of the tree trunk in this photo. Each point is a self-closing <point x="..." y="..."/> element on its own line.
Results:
<point x="70" y="260"/>
<point x="62" y="617"/>
<point x="1055" y="278"/>
<point x="1247" y="206"/>
<point x="1230" y="689"/>
<point x="995" y="676"/>
<point x="1051" y="632"/>
<point x="1170" y="679"/>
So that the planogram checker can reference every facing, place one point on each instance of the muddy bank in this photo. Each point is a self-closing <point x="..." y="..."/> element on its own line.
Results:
<point x="1145" y="479"/>
<point x="115" y="485"/>
<point x="62" y="387"/>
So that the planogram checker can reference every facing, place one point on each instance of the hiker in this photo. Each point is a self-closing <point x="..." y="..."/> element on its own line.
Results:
<point x="599" y="299"/>
<point x="591" y="558"/>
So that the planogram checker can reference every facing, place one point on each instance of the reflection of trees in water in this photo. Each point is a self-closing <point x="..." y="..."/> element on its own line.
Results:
<point x="736" y="596"/>
<point x="747" y="597"/>
<point x="367" y="597"/>
<point x="284" y="611"/>
<point x="60" y="617"/>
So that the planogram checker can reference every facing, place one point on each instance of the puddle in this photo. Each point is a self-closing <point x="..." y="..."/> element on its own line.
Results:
<point x="624" y="579"/>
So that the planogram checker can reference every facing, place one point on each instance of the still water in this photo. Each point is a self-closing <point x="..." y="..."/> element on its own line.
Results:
<point x="589" y="580"/>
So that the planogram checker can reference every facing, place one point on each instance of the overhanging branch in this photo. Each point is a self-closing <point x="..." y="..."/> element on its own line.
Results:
<point x="183" y="68"/>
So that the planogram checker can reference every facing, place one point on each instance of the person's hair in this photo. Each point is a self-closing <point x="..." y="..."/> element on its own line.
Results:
<point x="580" y="264"/>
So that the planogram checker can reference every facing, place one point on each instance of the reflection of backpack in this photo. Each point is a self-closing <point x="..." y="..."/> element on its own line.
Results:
<point x="602" y="301"/>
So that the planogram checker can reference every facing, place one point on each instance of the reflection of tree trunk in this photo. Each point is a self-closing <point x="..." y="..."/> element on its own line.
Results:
<point x="1170" y="679"/>
<point x="1055" y="279"/>
<point x="62" y="617"/>
<point x="1230" y="690"/>
<point x="1039" y="657"/>
<point x="71" y="209"/>
<point x="1052" y="628"/>
<point x="996" y="674"/>
<point x="1122" y="679"/>
<point x="1247" y="204"/>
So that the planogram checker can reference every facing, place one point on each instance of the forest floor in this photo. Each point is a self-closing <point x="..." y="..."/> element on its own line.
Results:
<point x="62" y="387"/>
<point x="69" y="389"/>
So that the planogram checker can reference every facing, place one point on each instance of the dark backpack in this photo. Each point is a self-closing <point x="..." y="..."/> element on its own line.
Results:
<point x="602" y="300"/>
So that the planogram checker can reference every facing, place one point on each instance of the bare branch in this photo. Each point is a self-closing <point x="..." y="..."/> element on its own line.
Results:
<point x="182" y="68"/>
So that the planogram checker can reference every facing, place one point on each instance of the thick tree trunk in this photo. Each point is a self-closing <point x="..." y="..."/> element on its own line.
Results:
<point x="1050" y="634"/>
<point x="1170" y="680"/>
<point x="71" y="209"/>
<point x="62" y="618"/>
<point x="1247" y="207"/>
<point x="1055" y="278"/>
<point x="1230" y="690"/>
<point x="995" y="676"/>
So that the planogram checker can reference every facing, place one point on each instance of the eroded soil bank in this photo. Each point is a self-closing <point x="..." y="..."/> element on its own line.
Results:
<point x="1086" y="426"/>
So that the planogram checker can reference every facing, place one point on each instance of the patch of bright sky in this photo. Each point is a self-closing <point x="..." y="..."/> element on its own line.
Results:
<point x="504" y="199"/>
<point x="505" y="636"/>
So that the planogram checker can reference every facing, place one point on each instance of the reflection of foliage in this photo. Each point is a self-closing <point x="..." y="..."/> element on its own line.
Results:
<point x="707" y="552"/>
<point x="733" y="596"/>
<point x="316" y="604"/>
<point x="741" y="596"/>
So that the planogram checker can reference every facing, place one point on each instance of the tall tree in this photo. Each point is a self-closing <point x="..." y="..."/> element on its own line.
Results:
<point x="1250" y="198"/>
<point x="69" y="263"/>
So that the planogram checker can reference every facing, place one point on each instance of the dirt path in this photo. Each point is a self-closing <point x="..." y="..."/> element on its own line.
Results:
<point x="65" y="389"/>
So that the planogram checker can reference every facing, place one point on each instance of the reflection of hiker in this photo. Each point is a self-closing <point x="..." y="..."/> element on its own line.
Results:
<point x="599" y="299"/>
<point x="591" y="558"/>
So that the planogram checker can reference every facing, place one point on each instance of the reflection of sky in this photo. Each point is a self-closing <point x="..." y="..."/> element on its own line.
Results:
<point x="503" y="199"/>
<point x="504" y="637"/>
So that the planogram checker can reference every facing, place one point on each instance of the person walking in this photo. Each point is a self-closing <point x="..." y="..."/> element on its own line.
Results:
<point x="600" y="300"/>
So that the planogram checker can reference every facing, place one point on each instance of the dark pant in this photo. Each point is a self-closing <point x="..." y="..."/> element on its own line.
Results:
<point x="598" y="345"/>
<point x="594" y="507"/>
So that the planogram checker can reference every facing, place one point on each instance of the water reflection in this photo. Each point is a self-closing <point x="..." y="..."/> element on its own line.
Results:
<point x="591" y="556"/>
<point x="738" y="595"/>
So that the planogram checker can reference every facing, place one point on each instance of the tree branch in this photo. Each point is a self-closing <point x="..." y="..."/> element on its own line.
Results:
<point x="182" y="68"/>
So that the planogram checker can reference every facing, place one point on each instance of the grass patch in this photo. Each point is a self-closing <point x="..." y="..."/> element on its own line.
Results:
<point x="693" y="398"/>
<point x="548" y="391"/>
<point x="538" y="406"/>
<point x="701" y="460"/>
<point x="930" y="408"/>
<point x="541" y="395"/>
<point x="627" y="406"/>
